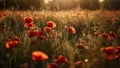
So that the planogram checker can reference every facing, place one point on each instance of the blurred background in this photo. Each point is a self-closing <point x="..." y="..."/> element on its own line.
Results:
<point x="60" y="4"/>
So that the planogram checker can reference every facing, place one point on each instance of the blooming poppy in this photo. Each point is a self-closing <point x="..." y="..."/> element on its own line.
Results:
<point x="40" y="35"/>
<point x="112" y="34"/>
<point x="30" y="25"/>
<point x="114" y="19"/>
<point x="13" y="43"/>
<point x="53" y="65"/>
<point x="106" y="36"/>
<point x="71" y="30"/>
<point x="39" y="56"/>
<point x="61" y="59"/>
<point x="51" y="24"/>
<point x="118" y="48"/>
<point x="32" y="42"/>
<point x="28" y="20"/>
<point x="110" y="57"/>
<point x="47" y="29"/>
<point x="32" y="33"/>
<point x="110" y="52"/>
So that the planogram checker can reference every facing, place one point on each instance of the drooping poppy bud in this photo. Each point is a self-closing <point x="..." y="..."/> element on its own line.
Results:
<point x="61" y="59"/>
<point x="13" y="43"/>
<point x="53" y="65"/>
<point x="39" y="56"/>
<point x="71" y="30"/>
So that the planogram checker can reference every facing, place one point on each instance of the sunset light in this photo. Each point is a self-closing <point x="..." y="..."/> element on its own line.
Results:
<point x="46" y="1"/>
<point x="101" y="1"/>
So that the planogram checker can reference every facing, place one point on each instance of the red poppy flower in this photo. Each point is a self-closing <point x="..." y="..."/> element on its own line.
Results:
<point x="112" y="34"/>
<point x="28" y="20"/>
<point x="32" y="42"/>
<point x="110" y="57"/>
<point x="71" y="30"/>
<point x="52" y="65"/>
<point x="110" y="52"/>
<point x="80" y="46"/>
<point x="118" y="48"/>
<point x="47" y="29"/>
<point x="30" y="25"/>
<point x="1" y="16"/>
<point x="54" y="34"/>
<point x="61" y="59"/>
<point x="39" y="56"/>
<point x="32" y="33"/>
<point x="40" y="35"/>
<point x="114" y="19"/>
<point x="51" y="24"/>
<point x="13" y="43"/>
<point x="105" y="35"/>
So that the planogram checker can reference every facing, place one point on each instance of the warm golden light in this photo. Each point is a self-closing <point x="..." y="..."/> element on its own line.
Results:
<point x="46" y="1"/>
<point x="101" y="1"/>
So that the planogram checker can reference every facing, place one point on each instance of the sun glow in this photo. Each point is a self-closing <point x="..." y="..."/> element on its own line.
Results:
<point x="46" y="1"/>
<point x="101" y="1"/>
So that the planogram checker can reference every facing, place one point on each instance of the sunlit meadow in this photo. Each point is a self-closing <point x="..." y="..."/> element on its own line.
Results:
<point x="60" y="39"/>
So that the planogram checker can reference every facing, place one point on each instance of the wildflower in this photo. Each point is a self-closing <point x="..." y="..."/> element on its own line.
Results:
<point x="47" y="29"/>
<point x="51" y="24"/>
<point x="40" y="35"/>
<point x="80" y="46"/>
<point x="30" y="25"/>
<point x="39" y="56"/>
<point x="61" y="59"/>
<point x="13" y="43"/>
<point x="32" y="33"/>
<point x="106" y="36"/>
<point x="52" y="65"/>
<point x="113" y="19"/>
<point x="1" y="16"/>
<point x="54" y="34"/>
<point x="118" y="48"/>
<point x="71" y="30"/>
<point x="110" y="52"/>
<point x="28" y="20"/>
<point x="32" y="42"/>
<point x="112" y="34"/>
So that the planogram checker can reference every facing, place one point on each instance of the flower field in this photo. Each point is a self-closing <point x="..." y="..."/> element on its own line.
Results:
<point x="59" y="39"/>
